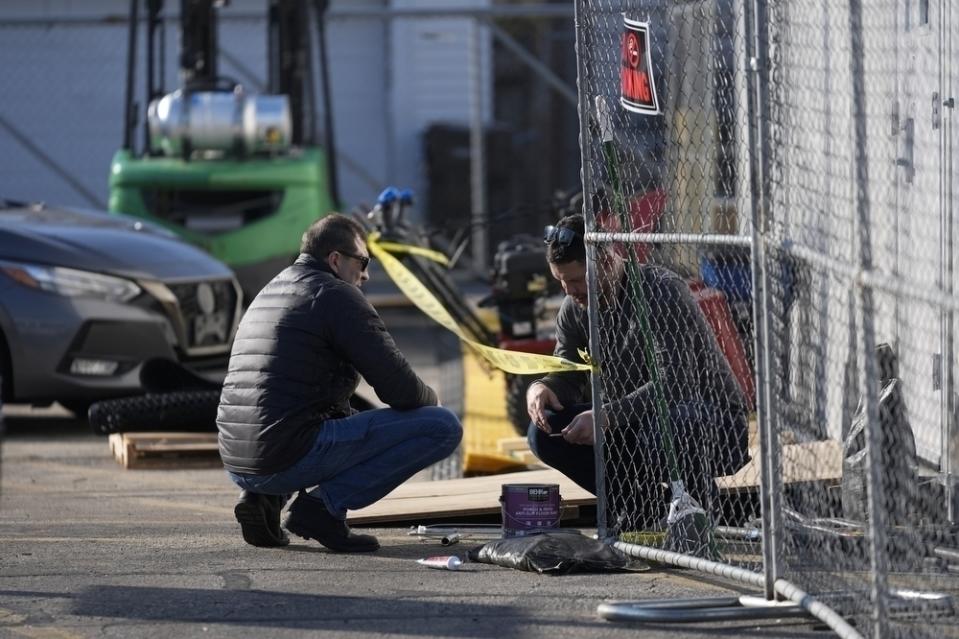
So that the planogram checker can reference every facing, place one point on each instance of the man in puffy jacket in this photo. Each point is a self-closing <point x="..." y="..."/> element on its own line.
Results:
<point x="284" y="417"/>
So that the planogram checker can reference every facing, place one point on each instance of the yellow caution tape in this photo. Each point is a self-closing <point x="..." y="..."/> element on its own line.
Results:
<point x="584" y="355"/>
<point x="430" y="254"/>
<point x="515" y="362"/>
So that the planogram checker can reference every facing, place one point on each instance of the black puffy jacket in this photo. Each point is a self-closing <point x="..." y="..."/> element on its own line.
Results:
<point x="297" y="357"/>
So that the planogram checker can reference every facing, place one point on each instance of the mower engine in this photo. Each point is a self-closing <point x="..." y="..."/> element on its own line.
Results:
<point x="520" y="280"/>
<point x="521" y="286"/>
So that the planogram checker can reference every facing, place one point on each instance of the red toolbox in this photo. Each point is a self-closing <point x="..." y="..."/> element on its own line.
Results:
<point x="713" y="304"/>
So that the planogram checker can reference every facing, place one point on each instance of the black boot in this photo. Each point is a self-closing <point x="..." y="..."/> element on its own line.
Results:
<point x="259" y="517"/>
<point x="309" y="518"/>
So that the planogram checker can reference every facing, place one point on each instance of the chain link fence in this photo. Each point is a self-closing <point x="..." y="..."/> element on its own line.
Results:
<point x="812" y="141"/>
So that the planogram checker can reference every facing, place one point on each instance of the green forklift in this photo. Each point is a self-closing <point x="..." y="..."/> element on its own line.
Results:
<point x="238" y="173"/>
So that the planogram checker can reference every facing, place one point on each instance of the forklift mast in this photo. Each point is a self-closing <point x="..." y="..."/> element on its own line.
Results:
<point x="289" y="65"/>
<point x="198" y="42"/>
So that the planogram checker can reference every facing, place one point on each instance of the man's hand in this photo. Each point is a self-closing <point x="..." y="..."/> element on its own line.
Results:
<point x="539" y="397"/>
<point x="580" y="430"/>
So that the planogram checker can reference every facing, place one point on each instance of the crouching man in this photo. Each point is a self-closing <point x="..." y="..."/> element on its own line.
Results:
<point x="706" y="407"/>
<point x="284" y="418"/>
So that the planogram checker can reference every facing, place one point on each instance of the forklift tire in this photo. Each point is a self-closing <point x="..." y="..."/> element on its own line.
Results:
<point x="516" y="386"/>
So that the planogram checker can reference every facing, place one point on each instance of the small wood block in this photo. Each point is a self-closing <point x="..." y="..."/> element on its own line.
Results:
<point x="509" y="445"/>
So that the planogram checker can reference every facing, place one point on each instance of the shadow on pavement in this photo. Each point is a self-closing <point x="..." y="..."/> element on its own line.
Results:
<point x="356" y="614"/>
<point x="23" y="421"/>
<point x="316" y="612"/>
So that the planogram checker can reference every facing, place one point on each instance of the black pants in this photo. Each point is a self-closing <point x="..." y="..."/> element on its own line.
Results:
<point x="636" y="465"/>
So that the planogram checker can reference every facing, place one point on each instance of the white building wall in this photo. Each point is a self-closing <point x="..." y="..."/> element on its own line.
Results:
<point x="816" y="194"/>
<point x="433" y="67"/>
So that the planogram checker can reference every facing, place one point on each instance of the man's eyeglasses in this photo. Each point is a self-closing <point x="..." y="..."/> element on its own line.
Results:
<point x="364" y="260"/>
<point x="561" y="234"/>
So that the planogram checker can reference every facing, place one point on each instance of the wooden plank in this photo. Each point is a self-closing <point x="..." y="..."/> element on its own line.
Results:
<point x="463" y="497"/>
<point x="157" y="436"/>
<point x="116" y="442"/>
<point x="808" y="462"/>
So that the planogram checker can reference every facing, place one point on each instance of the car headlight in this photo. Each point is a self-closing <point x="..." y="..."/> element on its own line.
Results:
<point x="70" y="282"/>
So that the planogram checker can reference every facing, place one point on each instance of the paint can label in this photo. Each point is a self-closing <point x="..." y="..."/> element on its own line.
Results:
<point x="530" y="508"/>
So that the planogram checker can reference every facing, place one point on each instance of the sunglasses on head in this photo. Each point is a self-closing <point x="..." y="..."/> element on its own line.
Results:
<point x="561" y="234"/>
<point x="362" y="259"/>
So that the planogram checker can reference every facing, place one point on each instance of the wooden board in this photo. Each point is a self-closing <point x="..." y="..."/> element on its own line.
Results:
<point x="472" y="496"/>
<point x="808" y="462"/>
<point x="165" y="450"/>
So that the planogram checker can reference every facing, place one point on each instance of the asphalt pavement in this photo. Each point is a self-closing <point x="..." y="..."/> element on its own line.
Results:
<point x="88" y="549"/>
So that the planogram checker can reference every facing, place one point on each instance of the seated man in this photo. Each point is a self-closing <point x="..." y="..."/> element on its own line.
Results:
<point x="284" y="417"/>
<point x="705" y="405"/>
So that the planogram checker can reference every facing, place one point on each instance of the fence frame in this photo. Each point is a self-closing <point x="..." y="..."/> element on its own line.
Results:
<point x="753" y="21"/>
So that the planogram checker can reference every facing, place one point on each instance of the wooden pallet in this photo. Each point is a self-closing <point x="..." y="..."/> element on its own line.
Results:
<point x="518" y="448"/>
<point x="165" y="450"/>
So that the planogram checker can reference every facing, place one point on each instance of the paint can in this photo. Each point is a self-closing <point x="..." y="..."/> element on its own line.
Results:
<point x="530" y="508"/>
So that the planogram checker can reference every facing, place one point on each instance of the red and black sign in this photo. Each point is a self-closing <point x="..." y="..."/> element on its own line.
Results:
<point x="637" y="87"/>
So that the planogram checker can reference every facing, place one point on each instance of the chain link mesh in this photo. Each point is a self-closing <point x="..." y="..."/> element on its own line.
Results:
<point x="862" y="308"/>
<point x="670" y="346"/>
<point x="826" y="121"/>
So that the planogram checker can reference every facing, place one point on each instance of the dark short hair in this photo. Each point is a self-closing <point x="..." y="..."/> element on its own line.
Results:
<point x="333" y="232"/>
<point x="575" y="251"/>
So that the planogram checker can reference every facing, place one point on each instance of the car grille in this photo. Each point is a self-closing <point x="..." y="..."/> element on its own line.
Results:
<point x="208" y="310"/>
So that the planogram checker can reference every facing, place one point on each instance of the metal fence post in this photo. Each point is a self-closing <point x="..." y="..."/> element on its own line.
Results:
<point x="583" y="108"/>
<point x="950" y="427"/>
<point x="478" y="216"/>
<point x="868" y="378"/>
<point x="770" y="476"/>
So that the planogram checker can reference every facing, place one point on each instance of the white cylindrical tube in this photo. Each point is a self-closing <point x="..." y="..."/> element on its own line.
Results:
<point x="445" y="562"/>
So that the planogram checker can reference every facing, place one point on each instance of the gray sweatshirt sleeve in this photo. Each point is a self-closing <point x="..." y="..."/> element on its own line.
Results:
<point x="571" y="335"/>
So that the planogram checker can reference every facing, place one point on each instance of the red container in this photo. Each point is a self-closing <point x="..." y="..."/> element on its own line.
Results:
<point x="713" y="304"/>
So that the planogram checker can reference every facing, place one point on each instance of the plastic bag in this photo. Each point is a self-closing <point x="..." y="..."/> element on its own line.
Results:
<point x="897" y="454"/>
<point x="556" y="553"/>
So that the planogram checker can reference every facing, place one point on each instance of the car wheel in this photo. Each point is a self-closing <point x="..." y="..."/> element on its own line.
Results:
<point x="78" y="407"/>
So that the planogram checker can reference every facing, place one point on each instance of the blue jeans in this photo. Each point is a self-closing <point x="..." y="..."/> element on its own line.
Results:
<point x="355" y="461"/>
